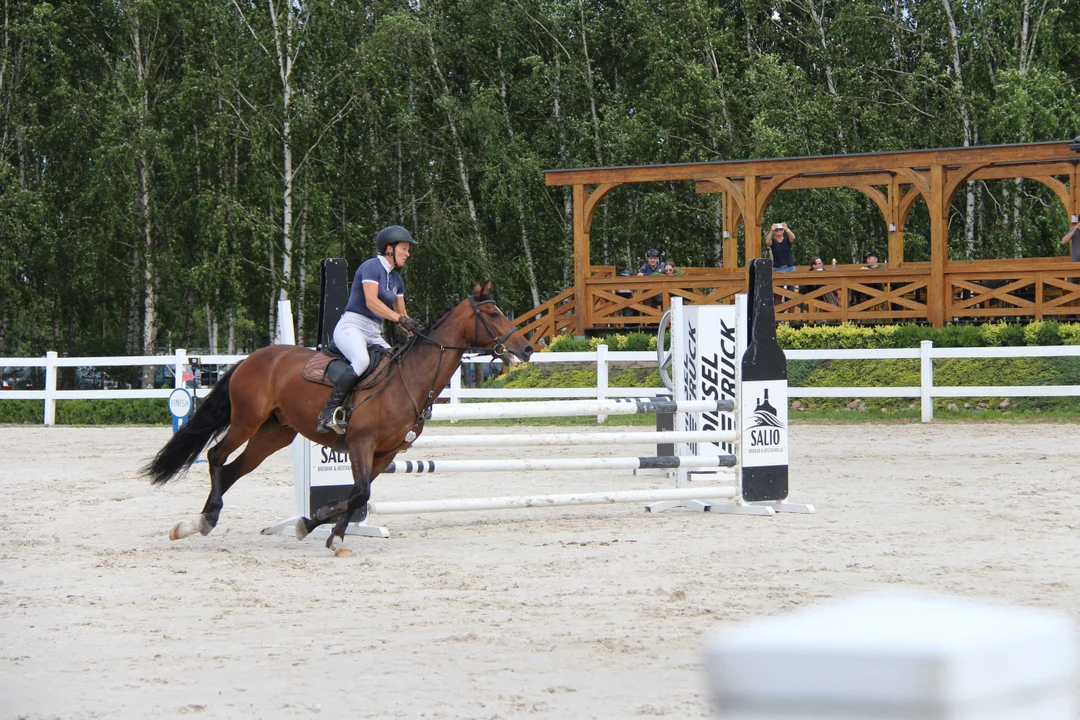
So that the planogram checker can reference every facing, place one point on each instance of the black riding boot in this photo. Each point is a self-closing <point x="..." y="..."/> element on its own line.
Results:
<point x="329" y="416"/>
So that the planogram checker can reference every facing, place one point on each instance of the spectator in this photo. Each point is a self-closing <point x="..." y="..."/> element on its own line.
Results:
<point x="818" y="265"/>
<point x="652" y="263"/>
<point x="872" y="262"/>
<point x="670" y="269"/>
<point x="1074" y="236"/>
<point x="779" y="241"/>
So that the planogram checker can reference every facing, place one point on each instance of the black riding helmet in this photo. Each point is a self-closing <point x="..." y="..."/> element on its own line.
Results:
<point x="652" y="253"/>
<point x="392" y="235"/>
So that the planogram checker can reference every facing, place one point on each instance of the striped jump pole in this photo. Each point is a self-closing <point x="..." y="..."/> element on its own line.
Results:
<point x="571" y="408"/>
<point x="410" y="507"/>
<point x="442" y="442"/>
<point x="561" y="464"/>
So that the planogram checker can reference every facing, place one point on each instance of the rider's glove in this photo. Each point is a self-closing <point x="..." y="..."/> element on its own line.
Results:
<point x="409" y="324"/>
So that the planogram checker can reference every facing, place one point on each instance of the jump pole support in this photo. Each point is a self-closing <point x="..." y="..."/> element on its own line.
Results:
<point x="559" y="464"/>
<point x="438" y="442"/>
<point x="409" y="507"/>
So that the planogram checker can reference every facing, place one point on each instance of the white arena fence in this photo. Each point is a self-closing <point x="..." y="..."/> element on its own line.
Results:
<point x="926" y="391"/>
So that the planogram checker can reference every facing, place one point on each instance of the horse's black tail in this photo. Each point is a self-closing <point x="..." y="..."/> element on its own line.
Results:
<point x="181" y="451"/>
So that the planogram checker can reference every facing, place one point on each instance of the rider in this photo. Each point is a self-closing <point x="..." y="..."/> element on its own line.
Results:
<point x="378" y="293"/>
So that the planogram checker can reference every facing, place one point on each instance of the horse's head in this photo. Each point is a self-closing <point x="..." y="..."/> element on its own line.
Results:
<point x="491" y="329"/>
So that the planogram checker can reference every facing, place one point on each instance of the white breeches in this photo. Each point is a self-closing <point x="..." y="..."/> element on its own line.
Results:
<point x="353" y="334"/>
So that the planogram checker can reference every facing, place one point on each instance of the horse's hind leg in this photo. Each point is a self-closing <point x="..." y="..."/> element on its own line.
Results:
<point x="270" y="438"/>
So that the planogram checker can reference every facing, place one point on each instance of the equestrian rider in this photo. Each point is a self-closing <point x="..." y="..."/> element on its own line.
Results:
<point x="377" y="294"/>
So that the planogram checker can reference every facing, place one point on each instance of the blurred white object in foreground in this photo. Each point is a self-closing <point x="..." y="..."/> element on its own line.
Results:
<point x="897" y="656"/>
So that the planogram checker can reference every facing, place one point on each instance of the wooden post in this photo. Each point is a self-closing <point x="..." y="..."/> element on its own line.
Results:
<point x="752" y="219"/>
<point x="895" y="226"/>
<point x="937" y="295"/>
<point x="731" y="232"/>
<point x="582" y="262"/>
<point x="1074" y="191"/>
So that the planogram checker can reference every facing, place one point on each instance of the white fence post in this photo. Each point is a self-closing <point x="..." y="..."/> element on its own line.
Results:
<point x="601" y="377"/>
<point x="50" y="387"/>
<point x="179" y="362"/>
<point x="455" y="385"/>
<point x="926" y="384"/>
<point x="286" y="330"/>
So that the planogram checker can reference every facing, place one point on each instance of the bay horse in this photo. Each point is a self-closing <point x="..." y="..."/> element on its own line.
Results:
<point x="264" y="401"/>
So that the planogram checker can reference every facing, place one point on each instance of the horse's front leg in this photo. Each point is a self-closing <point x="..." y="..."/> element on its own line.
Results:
<point x="358" y="502"/>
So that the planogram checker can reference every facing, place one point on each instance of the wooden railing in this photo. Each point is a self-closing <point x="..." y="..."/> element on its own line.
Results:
<point x="974" y="291"/>
<point x="995" y="289"/>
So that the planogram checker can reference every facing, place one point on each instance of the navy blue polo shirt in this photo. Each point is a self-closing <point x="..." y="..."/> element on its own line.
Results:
<point x="391" y="286"/>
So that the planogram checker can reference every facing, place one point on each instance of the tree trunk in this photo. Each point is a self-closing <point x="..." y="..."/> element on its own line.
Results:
<point x="1017" y="229"/>
<point x="302" y="276"/>
<point x="965" y="118"/>
<point x="595" y="119"/>
<point x="142" y="203"/>
<point x="519" y="204"/>
<point x="283" y="44"/>
<point x="459" y="154"/>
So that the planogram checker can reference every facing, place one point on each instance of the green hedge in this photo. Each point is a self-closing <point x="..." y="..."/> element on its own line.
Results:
<point x="631" y="342"/>
<point x="857" y="337"/>
<point x="848" y="336"/>
<point x="140" y="411"/>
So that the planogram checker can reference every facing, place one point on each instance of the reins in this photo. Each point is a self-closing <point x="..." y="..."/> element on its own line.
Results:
<point x="399" y="354"/>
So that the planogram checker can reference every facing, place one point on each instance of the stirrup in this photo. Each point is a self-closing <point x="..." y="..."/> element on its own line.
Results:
<point x="339" y="422"/>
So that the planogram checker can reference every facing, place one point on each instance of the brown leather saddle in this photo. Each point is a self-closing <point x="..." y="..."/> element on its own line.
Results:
<point x="326" y="366"/>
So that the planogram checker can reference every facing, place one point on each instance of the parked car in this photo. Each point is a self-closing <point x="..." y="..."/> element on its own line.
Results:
<point x="165" y="377"/>
<point x="22" y="378"/>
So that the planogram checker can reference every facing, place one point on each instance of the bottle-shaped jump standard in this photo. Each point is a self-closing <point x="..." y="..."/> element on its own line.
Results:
<point x="764" y="405"/>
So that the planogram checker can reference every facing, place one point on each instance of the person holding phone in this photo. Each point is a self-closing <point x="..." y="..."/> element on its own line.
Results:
<point x="779" y="241"/>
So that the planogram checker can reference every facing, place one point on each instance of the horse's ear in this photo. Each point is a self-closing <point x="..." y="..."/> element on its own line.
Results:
<point x="477" y="289"/>
<point x="486" y="289"/>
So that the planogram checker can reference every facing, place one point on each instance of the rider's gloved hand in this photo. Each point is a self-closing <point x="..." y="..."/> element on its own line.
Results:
<point x="409" y="324"/>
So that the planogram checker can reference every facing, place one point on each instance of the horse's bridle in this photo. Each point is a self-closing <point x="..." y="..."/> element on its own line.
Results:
<point x="499" y="348"/>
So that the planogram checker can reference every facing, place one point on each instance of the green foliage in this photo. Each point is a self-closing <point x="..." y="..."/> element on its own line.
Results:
<point x="442" y="116"/>
<point x="139" y="411"/>
<point x="22" y="412"/>
<point x="849" y="336"/>
<point x="570" y="343"/>
<point x="631" y="342"/>
<point x="573" y="375"/>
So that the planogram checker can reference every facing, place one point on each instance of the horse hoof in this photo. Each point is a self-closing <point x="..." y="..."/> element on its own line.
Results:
<point x="301" y="529"/>
<point x="343" y="552"/>
<point x="335" y="543"/>
<point x="187" y="528"/>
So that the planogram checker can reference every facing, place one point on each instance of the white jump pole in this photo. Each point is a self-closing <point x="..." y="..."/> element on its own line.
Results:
<point x="410" y="507"/>
<point x="559" y="464"/>
<point x="570" y="408"/>
<point x="439" y="442"/>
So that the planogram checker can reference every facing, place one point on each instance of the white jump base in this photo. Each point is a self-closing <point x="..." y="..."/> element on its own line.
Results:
<point x="416" y="507"/>
<point x="560" y="464"/>
<point x="440" y="442"/>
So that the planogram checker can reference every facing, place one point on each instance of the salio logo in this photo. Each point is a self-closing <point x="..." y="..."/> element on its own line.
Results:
<point x="765" y="414"/>
<point x="764" y="427"/>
